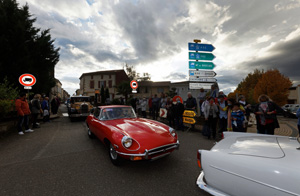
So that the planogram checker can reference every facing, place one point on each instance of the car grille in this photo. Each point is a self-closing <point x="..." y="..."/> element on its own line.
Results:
<point x="161" y="150"/>
<point x="84" y="108"/>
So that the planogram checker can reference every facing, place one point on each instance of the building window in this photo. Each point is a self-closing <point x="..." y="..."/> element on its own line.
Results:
<point x="101" y="76"/>
<point x="146" y="89"/>
<point x="109" y="76"/>
<point x="110" y="84"/>
<point x="92" y="77"/>
<point x="92" y="84"/>
<point x="99" y="84"/>
<point x="160" y="90"/>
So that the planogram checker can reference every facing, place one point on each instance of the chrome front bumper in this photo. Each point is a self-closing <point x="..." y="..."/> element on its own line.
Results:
<point x="154" y="151"/>
<point x="202" y="185"/>
<point x="79" y="115"/>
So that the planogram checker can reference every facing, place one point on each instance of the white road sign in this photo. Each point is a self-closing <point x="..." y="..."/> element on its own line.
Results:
<point x="200" y="85"/>
<point x="202" y="73"/>
<point x="197" y="79"/>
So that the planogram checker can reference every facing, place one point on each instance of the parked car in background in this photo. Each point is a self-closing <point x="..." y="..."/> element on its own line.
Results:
<point x="129" y="137"/>
<point x="245" y="164"/>
<point x="79" y="106"/>
<point x="290" y="110"/>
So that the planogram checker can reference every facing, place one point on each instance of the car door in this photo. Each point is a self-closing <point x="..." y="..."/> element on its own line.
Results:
<point x="92" y="122"/>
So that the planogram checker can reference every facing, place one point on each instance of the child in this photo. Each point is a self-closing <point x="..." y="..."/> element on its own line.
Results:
<point x="237" y="118"/>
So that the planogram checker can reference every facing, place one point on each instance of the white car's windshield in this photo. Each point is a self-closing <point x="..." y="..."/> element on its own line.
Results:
<point x="117" y="113"/>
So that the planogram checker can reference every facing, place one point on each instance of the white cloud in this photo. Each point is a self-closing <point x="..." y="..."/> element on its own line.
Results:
<point x="153" y="35"/>
<point x="264" y="38"/>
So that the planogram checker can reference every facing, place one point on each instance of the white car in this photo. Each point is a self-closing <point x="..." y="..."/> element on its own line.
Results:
<point x="245" y="164"/>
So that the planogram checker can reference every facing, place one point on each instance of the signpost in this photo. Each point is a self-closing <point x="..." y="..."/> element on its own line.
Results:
<point x="202" y="73"/>
<point x="200" y="69"/>
<point x="134" y="85"/>
<point x="27" y="80"/>
<point x="201" y="65"/>
<point x="189" y="120"/>
<point x="201" y="56"/>
<point x="201" y="47"/>
<point x="163" y="113"/>
<point x="189" y="113"/>
<point x="197" y="79"/>
<point x="200" y="85"/>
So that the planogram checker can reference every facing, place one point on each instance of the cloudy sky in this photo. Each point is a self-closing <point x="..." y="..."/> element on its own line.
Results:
<point x="153" y="36"/>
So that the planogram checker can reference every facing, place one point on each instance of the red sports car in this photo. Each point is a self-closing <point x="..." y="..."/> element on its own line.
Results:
<point x="129" y="137"/>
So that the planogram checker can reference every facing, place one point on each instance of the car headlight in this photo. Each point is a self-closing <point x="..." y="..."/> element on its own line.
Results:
<point x="126" y="141"/>
<point x="172" y="131"/>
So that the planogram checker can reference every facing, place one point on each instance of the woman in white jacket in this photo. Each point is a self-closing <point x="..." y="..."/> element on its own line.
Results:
<point x="211" y="117"/>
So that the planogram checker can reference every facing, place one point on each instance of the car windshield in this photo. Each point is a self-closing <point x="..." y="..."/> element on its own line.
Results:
<point x="80" y="99"/>
<point x="117" y="113"/>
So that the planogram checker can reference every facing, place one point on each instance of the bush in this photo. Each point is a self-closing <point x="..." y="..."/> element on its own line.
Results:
<point x="8" y="94"/>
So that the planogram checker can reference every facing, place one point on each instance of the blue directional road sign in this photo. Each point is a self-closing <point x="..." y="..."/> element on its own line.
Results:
<point x="201" y="47"/>
<point x="201" y="56"/>
<point x="201" y="65"/>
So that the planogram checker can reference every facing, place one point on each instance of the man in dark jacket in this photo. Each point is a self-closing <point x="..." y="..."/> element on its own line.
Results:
<point x="191" y="104"/>
<point x="178" y="112"/>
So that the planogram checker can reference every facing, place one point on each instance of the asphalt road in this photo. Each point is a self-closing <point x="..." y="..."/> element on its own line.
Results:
<point x="60" y="159"/>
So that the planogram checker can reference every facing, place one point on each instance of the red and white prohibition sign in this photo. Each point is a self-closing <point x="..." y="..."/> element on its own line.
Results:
<point x="27" y="80"/>
<point x="134" y="85"/>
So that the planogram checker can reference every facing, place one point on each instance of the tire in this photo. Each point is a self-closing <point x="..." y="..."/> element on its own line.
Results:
<point x="91" y="134"/>
<point x="114" y="157"/>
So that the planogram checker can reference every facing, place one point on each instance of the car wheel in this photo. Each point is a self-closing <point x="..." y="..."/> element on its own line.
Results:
<point x="113" y="155"/>
<point x="91" y="134"/>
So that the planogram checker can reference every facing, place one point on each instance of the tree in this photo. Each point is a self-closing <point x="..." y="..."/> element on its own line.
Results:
<point x="133" y="75"/>
<point x="25" y="48"/>
<point x="107" y="93"/>
<point x="275" y="85"/>
<point x="124" y="89"/>
<point x="102" y="94"/>
<point x="246" y="86"/>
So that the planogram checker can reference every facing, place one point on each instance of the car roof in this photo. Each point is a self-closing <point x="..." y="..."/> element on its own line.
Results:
<point x="114" y="106"/>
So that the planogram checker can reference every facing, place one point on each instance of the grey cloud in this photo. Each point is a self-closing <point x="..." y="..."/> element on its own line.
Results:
<point x="285" y="57"/>
<point x="176" y="76"/>
<point x="70" y="79"/>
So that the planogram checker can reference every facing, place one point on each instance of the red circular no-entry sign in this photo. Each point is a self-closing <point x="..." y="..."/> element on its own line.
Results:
<point x="134" y="84"/>
<point x="27" y="80"/>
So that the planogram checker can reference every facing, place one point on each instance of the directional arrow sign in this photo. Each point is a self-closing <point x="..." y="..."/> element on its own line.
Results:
<point x="197" y="79"/>
<point x="189" y="113"/>
<point x="201" y="47"/>
<point x="200" y="85"/>
<point x="201" y="65"/>
<point x="202" y="73"/>
<point x="201" y="56"/>
<point x="188" y="120"/>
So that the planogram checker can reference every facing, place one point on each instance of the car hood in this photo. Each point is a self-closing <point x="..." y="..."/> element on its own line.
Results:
<point x="259" y="146"/>
<point x="148" y="133"/>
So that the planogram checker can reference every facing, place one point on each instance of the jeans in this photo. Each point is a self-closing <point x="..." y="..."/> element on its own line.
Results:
<point x="299" y="129"/>
<point x="179" y="123"/>
<point x="266" y="129"/>
<point x="212" y="124"/>
<point x="222" y="125"/>
<point x="23" y="119"/>
<point x="34" y="119"/>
